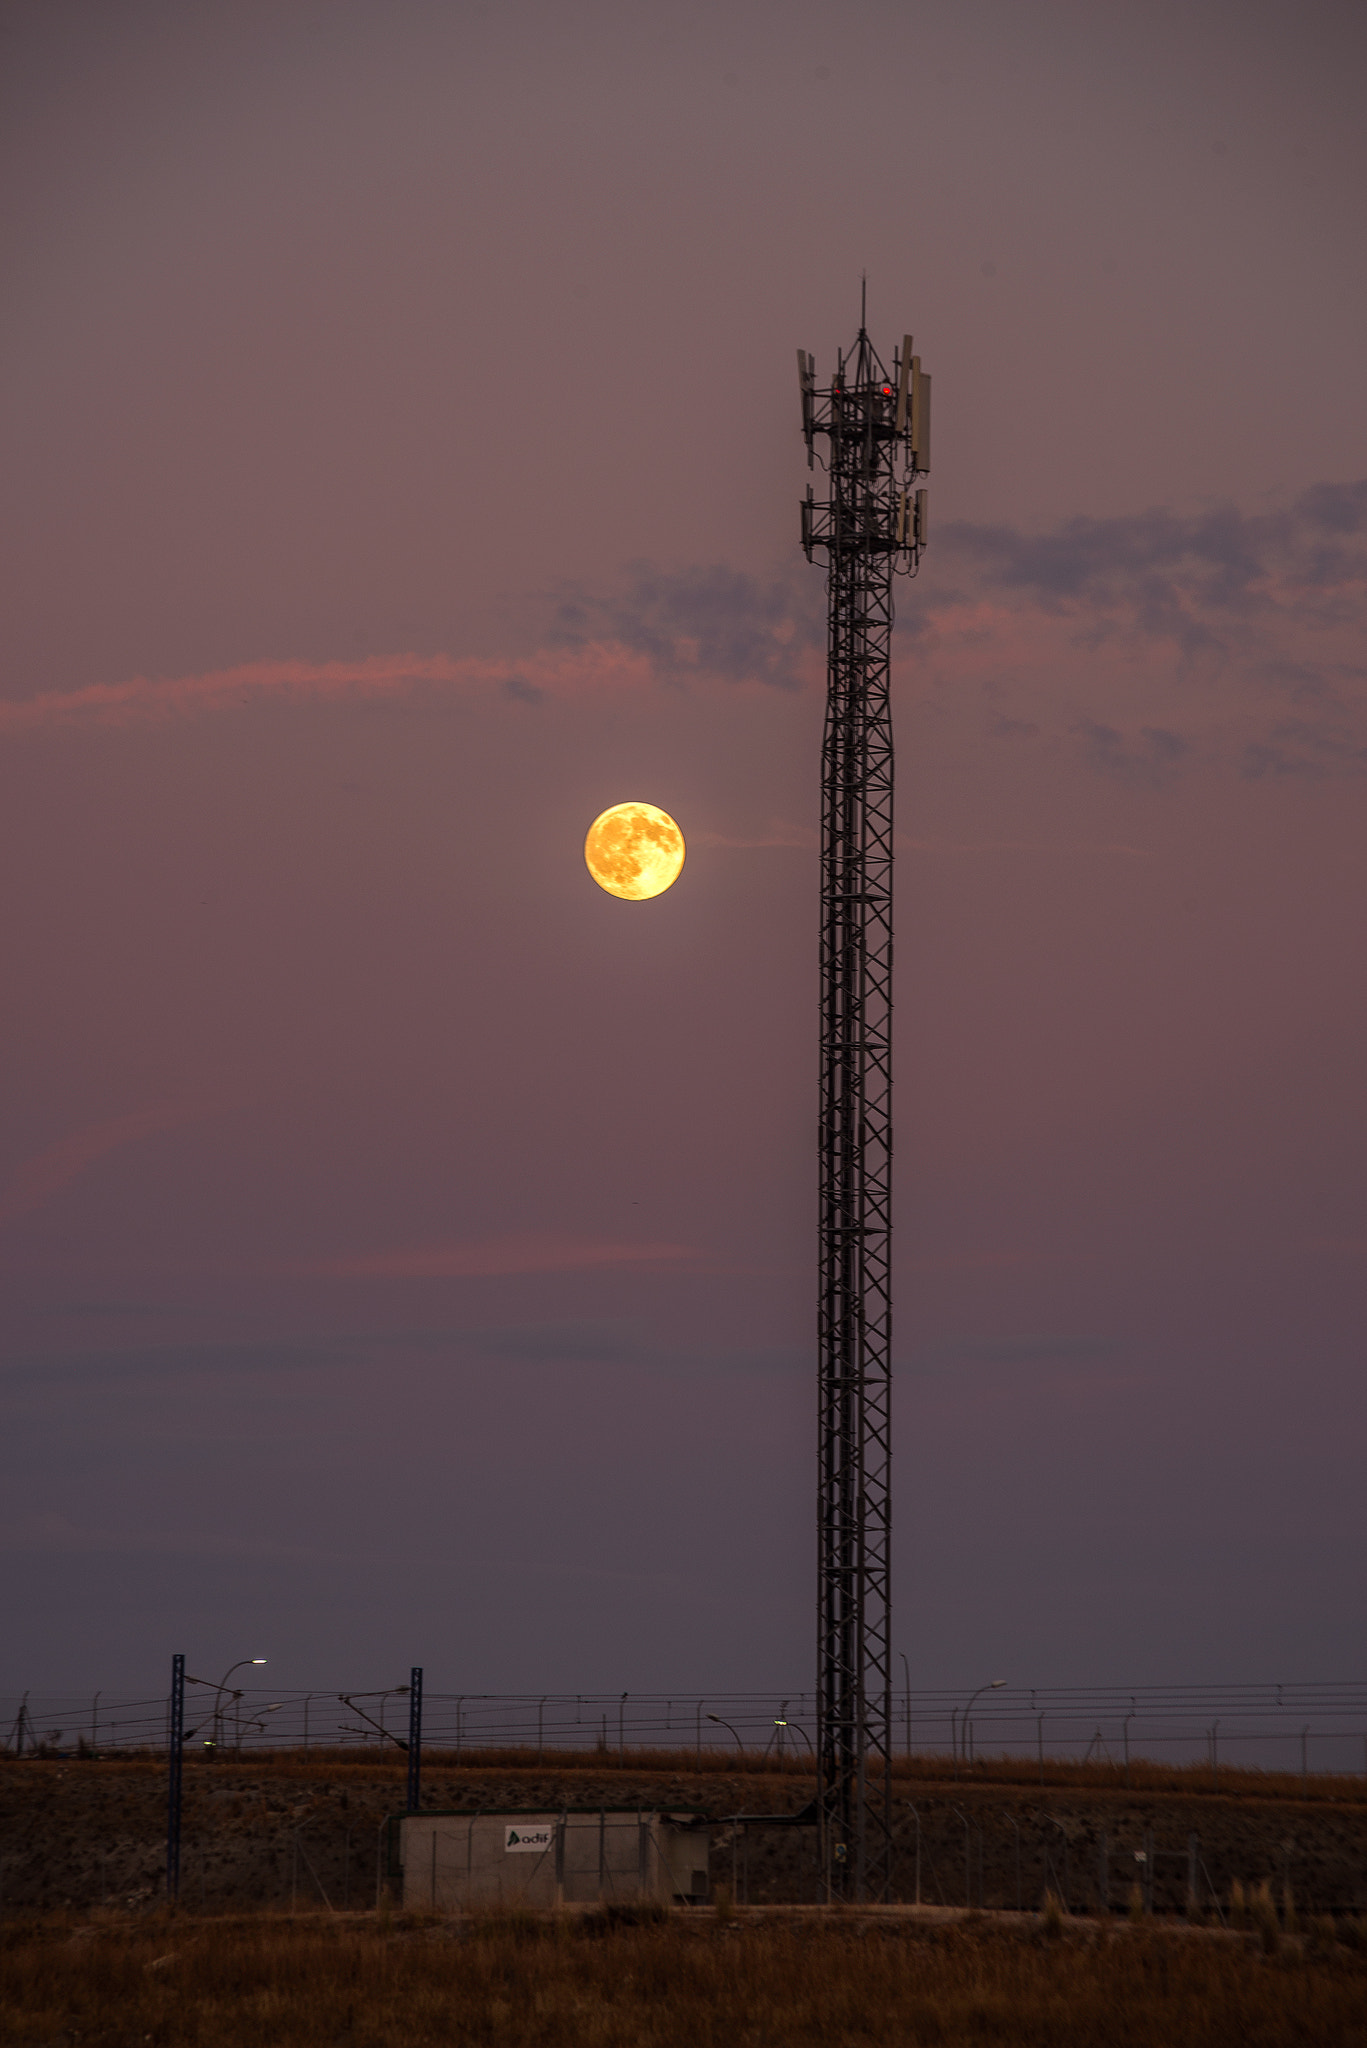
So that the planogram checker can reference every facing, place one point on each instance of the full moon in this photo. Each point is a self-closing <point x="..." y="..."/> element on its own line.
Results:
<point x="634" y="850"/>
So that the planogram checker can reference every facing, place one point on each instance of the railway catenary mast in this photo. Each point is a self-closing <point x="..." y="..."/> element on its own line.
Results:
<point x="875" y="426"/>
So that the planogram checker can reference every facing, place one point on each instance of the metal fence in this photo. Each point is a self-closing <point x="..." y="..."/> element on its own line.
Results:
<point x="1011" y="1854"/>
<point x="1300" y="1728"/>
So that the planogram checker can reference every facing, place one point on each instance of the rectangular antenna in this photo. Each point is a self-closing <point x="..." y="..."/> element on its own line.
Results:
<point x="902" y="376"/>
<point x="901" y="519"/>
<point x="921" y="438"/>
<point x="921" y="527"/>
<point x="913" y="399"/>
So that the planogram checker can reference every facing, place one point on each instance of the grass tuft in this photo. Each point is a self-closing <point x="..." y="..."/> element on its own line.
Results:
<point x="1264" y="1917"/>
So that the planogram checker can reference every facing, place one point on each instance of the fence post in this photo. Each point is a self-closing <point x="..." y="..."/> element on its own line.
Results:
<point x="415" y="1739"/>
<point x="175" y="1759"/>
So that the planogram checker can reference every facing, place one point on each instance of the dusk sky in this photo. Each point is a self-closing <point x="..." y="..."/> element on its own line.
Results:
<point x="407" y="1250"/>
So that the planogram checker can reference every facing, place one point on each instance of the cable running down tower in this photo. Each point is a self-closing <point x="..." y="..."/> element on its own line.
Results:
<point x="872" y="526"/>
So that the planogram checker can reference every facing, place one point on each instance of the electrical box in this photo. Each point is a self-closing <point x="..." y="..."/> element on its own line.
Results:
<point x="585" y="1857"/>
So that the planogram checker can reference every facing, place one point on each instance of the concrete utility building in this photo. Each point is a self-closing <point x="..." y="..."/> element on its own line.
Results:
<point x="602" y="1855"/>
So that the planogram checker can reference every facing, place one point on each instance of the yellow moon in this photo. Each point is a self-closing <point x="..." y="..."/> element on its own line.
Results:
<point x="634" y="850"/>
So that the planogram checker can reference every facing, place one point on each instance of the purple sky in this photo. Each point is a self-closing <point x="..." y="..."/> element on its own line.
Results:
<point x="407" y="1250"/>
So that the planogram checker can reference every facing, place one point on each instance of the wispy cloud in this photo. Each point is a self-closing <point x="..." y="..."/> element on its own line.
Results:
<point x="47" y="1533"/>
<point x="572" y="1342"/>
<point x="1027" y="1350"/>
<point x="1189" y="579"/>
<point x="1144" y="645"/>
<point x="1142" y="762"/>
<point x="1152" y="642"/>
<point x="146" y="700"/>
<point x="777" y="834"/>
<point x="490" y="1257"/>
<point x="39" y="1179"/>
<point x="1070" y="849"/>
<point x="706" y="621"/>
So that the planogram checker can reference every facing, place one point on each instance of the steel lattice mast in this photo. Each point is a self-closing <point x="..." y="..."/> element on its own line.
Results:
<point x="876" y="427"/>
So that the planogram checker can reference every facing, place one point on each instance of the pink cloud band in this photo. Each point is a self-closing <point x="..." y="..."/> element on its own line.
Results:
<point x="492" y="1256"/>
<point x="45" y="1175"/>
<point x="146" y="700"/>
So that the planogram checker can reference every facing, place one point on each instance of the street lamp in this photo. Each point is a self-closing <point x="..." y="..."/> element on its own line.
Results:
<point x="786" y="1724"/>
<point x="259" y="1724"/>
<point x="726" y="1724"/>
<point x="993" y="1684"/>
<point x="219" y="1691"/>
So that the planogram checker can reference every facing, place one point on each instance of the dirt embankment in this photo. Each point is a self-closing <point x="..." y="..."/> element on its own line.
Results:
<point x="262" y="1833"/>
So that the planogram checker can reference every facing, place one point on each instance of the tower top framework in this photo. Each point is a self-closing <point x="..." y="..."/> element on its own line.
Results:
<point x="874" y="429"/>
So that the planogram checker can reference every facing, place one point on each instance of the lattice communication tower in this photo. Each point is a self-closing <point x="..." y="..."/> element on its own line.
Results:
<point x="871" y="527"/>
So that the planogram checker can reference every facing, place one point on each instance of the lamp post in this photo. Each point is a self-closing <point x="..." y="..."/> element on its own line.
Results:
<point x="784" y="1724"/>
<point x="259" y="1724"/>
<point x="906" y="1673"/>
<point x="726" y="1724"/>
<point x="993" y="1684"/>
<point x="219" y="1690"/>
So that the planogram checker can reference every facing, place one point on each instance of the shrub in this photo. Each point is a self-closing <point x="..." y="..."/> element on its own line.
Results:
<point x="1322" y="1934"/>
<point x="1264" y="1914"/>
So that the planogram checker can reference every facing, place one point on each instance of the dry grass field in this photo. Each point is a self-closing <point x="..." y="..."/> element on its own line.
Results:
<point x="686" y="1980"/>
